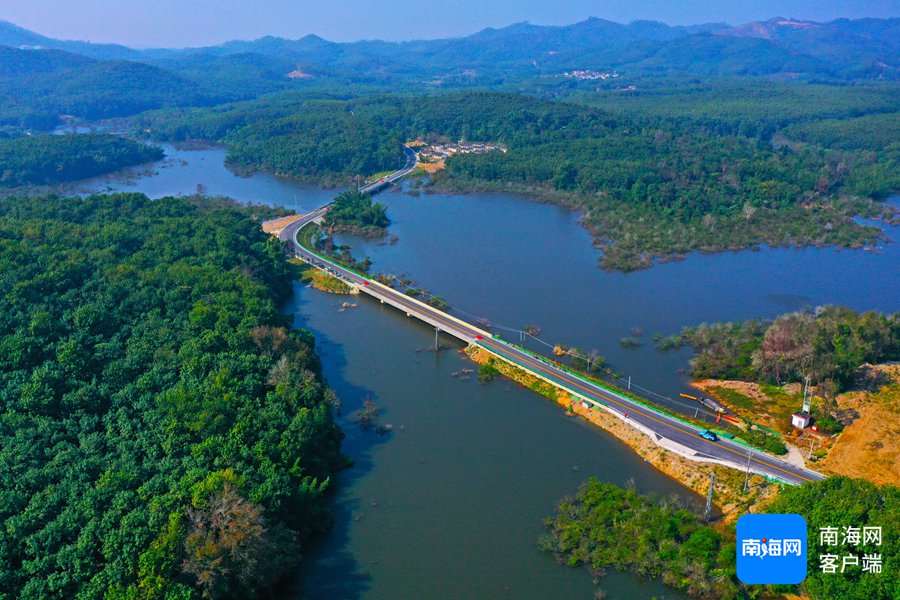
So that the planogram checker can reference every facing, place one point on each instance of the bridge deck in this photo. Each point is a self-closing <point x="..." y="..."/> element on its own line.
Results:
<point x="375" y="292"/>
<point x="665" y="429"/>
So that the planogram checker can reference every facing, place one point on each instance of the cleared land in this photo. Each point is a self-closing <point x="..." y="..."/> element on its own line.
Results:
<point x="275" y="226"/>
<point x="869" y="445"/>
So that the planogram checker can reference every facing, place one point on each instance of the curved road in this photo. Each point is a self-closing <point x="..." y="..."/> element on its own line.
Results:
<point x="411" y="161"/>
<point x="667" y="430"/>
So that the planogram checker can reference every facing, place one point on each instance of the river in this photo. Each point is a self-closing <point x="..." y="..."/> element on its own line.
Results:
<point x="450" y="504"/>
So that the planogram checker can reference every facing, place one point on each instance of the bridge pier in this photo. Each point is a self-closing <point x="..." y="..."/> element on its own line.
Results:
<point x="437" y="344"/>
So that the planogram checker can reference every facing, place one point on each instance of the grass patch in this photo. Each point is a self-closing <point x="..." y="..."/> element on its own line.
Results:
<point x="379" y="175"/>
<point x="488" y="371"/>
<point x="783" y="403"/>
<point x="775" y="393"/>
<point x="308" y="235"/>
<point x="324" y="282"/>
<point x="630" y="343"/>
<point x="733" y="398"/>
<point x="766" y="441"/>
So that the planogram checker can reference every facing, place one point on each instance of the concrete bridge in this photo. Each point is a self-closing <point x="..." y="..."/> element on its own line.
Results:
<point x="666" y="430"/>
<point x="376" y="186"/>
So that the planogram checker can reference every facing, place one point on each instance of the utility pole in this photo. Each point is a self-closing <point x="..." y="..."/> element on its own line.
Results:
<point x="811" y="441"/>
<point x="709" y="495"/>
<point x="747" y="478"/>
<point x="807" y="395"/>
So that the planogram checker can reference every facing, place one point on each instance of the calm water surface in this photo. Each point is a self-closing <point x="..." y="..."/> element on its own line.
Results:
<point x="518" y="262"/>
<point x="451" y="503"/>
<point x="183" y="170"/>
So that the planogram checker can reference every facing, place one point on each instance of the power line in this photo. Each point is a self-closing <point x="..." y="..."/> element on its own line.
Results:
<point x="625" y="381"/>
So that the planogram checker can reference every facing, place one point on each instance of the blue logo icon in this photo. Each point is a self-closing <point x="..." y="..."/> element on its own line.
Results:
<point x="771" y="549"/>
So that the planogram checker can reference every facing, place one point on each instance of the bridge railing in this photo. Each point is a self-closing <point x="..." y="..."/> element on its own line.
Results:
<point x="623" y="394"/>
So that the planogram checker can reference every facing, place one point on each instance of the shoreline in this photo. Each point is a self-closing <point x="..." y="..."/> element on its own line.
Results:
<point x="637" y="260"/>
<point x="884" y="214"/>
<point x="728" y="496"/>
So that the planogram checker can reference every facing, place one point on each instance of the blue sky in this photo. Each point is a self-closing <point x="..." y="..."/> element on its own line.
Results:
<point x="179" y="23"/>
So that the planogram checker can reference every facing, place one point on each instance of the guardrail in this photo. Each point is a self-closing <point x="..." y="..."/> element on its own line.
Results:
<point x="628" y="397"/>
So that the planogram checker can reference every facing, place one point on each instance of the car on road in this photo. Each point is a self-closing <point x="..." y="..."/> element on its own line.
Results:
<point x="706" y="433"/>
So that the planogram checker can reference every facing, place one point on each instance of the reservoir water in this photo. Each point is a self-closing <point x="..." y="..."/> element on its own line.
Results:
<point x="450" y="504"/>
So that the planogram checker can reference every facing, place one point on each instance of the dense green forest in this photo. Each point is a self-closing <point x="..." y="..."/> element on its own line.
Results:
<point x="646" y="189"/>
<point x="842" y="502"/>
<point x="323" y="140"/>
<point x="829" y="345"/>
<point x="164" y="432"/>
<point x="605" y="526"/>
<point x="36" y="87"/>
<point x="872" y="133"/>
<point x="748" y="107"/>
<point x="354" y="211"/>
<point x="49" y="159"/>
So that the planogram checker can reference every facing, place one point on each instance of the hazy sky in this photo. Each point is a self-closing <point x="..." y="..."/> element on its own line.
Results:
<point x="170" y="23"/>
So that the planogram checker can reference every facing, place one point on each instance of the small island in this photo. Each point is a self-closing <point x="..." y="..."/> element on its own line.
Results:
<point x="354" y="212"/>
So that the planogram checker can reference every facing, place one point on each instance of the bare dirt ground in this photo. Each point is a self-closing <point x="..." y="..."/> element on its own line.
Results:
<point x="275" y="226"/>
<point x="432" y="167"/>
<point x="869" y="445"/>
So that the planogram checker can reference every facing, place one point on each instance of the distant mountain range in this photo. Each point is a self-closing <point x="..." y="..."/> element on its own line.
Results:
<point x="60" y="75"/>
<point x="18" y="37"/>
<point x="842" y="49"/>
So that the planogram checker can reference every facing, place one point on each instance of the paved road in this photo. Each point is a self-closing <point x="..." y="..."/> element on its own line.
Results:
<point x="411" y="161"/>
<point x="651" y="421"/>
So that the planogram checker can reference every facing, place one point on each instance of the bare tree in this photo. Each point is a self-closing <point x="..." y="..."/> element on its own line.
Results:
<point x="230" y="548"/>
<point x="748" y="211"/>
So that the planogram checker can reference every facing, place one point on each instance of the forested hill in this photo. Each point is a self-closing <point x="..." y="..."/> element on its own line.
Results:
<point x="15" y="36"/>
<point x="840" y="49"/>
<point x="42" y="78"/>
<point x="37" y="86"/>
<point x="164" y="432"/>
